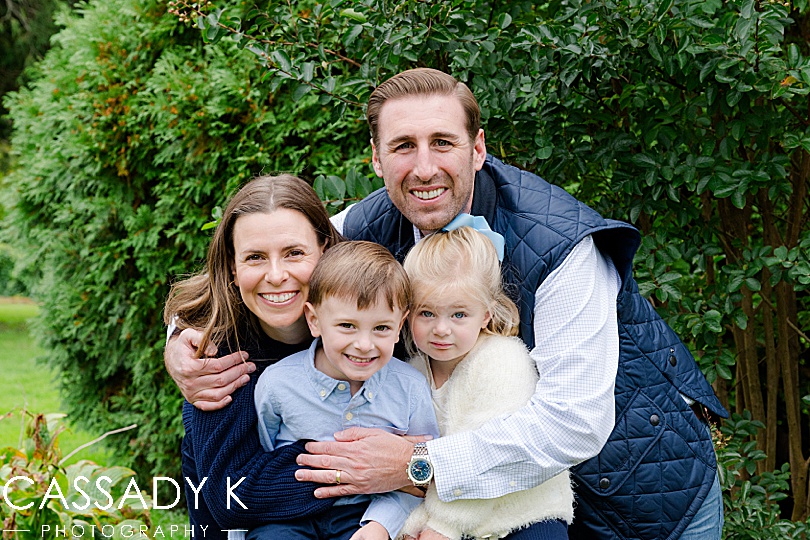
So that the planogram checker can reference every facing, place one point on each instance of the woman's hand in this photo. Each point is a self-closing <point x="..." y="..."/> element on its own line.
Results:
<point x="206" y="382"/>
<point x="369" y="461"/>
<point x="371" y="531"/>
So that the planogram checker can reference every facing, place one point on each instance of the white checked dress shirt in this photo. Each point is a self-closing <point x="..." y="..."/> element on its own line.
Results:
<point x="571" y="414"/>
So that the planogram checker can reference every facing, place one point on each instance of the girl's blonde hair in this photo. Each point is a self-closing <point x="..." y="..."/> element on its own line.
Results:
<point x="462" y="259"/>
<point x="210" y="301"/>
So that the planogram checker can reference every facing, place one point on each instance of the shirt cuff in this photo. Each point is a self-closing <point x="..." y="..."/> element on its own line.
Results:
<point x="390" y="510"/>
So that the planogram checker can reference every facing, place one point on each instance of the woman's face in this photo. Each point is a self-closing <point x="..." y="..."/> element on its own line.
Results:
<point x="274" y="255"/>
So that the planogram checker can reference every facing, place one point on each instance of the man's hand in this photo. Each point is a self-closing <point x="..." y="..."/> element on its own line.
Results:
<point x="207" y="383"/>
<point x="369" y="461"/>
<point x="371" y="531"/>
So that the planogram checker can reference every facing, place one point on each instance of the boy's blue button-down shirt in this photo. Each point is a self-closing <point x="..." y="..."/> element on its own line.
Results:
<point x="295" y="401"/>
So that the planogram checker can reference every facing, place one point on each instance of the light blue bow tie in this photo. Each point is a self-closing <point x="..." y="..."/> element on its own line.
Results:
<point x="479" y="224"/>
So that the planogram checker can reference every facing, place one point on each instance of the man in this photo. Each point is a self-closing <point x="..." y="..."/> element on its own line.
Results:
<point x="581" y="316"/>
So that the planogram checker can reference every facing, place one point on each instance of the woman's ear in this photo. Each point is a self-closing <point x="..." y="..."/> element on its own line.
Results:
<point x="487" y="318"/>
<point x="312" y="319"/>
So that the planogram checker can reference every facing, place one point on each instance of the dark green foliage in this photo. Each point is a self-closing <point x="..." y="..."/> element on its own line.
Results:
<point x="25" y="28"/>
<point x="132" y="135"/>
<point x="10" y="284"/>
<point x="687" y="118"/>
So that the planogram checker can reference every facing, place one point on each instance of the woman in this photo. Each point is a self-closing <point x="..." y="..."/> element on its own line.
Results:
<point x="250" y="298"/>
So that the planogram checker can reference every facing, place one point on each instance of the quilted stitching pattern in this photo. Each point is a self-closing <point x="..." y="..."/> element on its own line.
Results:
<point x="658" y="464"/>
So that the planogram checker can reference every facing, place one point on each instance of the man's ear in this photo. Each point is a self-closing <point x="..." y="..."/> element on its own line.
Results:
<point x="312" y="319"/>
<point x="375" y="160"/>
<point x="479" y="150"/>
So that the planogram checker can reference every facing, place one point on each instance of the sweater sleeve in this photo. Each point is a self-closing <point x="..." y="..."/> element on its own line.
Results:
<point x="227" y="451"/>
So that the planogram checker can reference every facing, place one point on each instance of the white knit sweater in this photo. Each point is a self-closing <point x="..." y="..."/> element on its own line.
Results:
<point x="497" y="377"/>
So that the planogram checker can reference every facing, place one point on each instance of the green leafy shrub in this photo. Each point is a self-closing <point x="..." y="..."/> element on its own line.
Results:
<point x="687" y="118"/>
<point x="10" y="284"/>
<point x="132" y="133"/>
<point x="751" y="502"/>
<point x="42" y="484"/>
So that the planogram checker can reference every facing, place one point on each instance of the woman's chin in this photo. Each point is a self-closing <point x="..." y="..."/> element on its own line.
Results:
<point x="286" y="328"/>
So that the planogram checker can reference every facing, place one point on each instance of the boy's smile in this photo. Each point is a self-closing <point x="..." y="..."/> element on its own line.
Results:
<point x="355" y="343"/>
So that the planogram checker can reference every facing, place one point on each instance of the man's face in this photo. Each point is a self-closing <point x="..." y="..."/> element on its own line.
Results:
<point x="427" y="159"/>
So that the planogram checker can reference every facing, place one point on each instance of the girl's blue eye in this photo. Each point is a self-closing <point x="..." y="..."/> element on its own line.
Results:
<point x="459" y="315"/>
<point x="425" y="314"/>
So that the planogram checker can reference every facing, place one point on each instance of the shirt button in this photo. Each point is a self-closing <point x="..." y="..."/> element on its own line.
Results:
<point x="349" y="416"/>
<point x="370" y="395"/>
<point x="341" y="387"/>
<point x="323" y="393"/>
<point x="513" y="483"/>
<point x="457" y="492"/>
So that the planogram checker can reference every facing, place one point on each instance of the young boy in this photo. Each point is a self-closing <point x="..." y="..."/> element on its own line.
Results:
<point x="358" y="300"/>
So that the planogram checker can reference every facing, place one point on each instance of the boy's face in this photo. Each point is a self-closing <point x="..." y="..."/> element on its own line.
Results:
<point x="355" y="343"/>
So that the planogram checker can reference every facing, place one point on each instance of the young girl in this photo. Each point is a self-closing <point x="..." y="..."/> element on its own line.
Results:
<point x="463" y="326"/>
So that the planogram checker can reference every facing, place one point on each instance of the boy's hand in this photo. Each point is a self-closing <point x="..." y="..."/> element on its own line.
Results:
<point x="206" y="383"/>
<point x="371" y="531"/>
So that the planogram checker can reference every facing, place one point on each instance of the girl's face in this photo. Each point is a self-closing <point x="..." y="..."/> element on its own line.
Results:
<point x="274" y="256"/>
<point x="446" y="326"/>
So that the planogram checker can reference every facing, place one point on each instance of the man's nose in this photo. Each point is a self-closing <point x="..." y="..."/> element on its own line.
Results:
<point x="425" y="167"/>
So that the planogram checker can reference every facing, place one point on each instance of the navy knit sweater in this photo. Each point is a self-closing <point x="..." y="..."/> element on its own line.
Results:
<point x="225" y="444"/>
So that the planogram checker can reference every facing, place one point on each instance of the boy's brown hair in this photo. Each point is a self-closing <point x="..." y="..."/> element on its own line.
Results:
<point x="361" y="271"/>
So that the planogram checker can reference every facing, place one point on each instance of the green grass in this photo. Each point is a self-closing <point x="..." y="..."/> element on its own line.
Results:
<point x="31" y="385"/>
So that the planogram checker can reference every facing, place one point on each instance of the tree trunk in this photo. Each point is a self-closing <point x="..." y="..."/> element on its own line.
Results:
<point x="734" y="238"/>
<point x="787" y="316"/>
<point x="772" y="363"/>
<point x="772" y="375"/>
<point x="790" y="379"/>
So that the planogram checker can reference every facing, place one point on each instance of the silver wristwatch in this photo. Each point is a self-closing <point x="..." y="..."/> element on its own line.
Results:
<point x="420" y="469"/>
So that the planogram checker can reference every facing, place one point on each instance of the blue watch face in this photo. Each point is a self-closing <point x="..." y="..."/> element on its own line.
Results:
<point x="421" y="470"/>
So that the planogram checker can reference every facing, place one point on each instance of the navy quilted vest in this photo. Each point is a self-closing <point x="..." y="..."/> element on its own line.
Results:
<point x="658" y="464"/>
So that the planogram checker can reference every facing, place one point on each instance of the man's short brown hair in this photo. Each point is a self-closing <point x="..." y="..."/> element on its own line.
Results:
<point x="360" y="271"/>
<point x="423" y="82"/>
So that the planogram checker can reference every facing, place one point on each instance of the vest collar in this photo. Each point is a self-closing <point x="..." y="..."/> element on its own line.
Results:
<point x="484" y="196"/>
